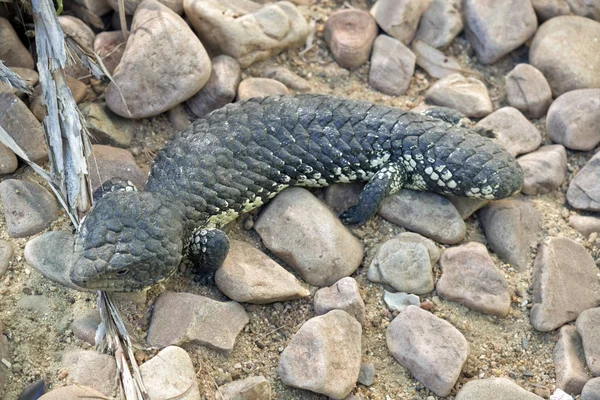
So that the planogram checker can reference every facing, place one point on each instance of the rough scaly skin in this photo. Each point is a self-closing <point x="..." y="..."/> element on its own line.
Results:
<point x="240" y="156"/>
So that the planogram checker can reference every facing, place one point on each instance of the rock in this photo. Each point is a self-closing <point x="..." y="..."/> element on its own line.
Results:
<point x="90" y="11"/>
<point x="305" y="234"/>
<point x="399" y="301"/>
<point x="544" y="169"/>
<point x="30" y="76"/>
<point x="430" y="348"/>
<point x="324" y="355"/>
<point x="588" y="9"/>
<point x="566" y="50"/>
<point x="494" y="389"/>
<point x="433" y="61"/>
<point x="392" y="66"/>
<point x="132" y="5"/>
<point x="513" y="131"/>
<point x="470" y="277"/>
<point x="84" y="327"/>
<point x="110" y="162"/>
<point x="147" y="82"/>
<point x="8" y="160"/>
<point x="110" y="46"/>
<point x="569" y="361"/>
<point x="528" y="91"/>
<point x="342" y="295"/>
<point x="399" y="19"/>
<point x="465" y="94"/>
<point x="423" y="212"/>
<point x="50" y="254"/>
<point x="78" y="90"/>
<point x="250" y="276"/>
<point x="495" y="28"/>
<point x="28" y="207"/>
<point x="511" y="227"/>
<point x="591" y="390"/>
<point x="587" y="326"/>
<point x="466" y="206"/>
<point x="245" y="30"/>
<point x="259" y="87"/>
<point x="170" y="375"/>
<point x="572" y="119"/>
<point x="415" y="238"/>
<point x="349" y="34"/>
<point x="189" y="319"/>
<point x="180" y="118"/>
<point x="584" y="191"/>
<point x="404" y="266"/>
<point x="341" y="196"/>
<point x="252" y="388"/>
<point x="23" y="127"/>
<point x="90" y="368"/>
<point x="73" y="392"/>
<point x="78" y="30"/>
<point x="107" y="127"/>
<point x="440" y="23"/>
<point x="366" y="376"/>
<point x="586" y="225"/>
<point x="546" y="9"/>
<point x="6" y="254"/>
<point x="12" y="51"/>
<point x="564" y="283"/>
<point x="220" y="89"/>
<point x="287" y="77"/>
<point x="560" y="395"/>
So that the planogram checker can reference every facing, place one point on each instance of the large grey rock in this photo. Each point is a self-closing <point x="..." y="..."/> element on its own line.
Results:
<point x="465" y="94"/>
<point x="245" y="30"/>
<point x="399" y="19"/>
<point x="544" y="169"/>
<point x="591" y="390"/>
<point x="584" y="191"/>
<point x="12" y="51"/>
<point x="430" y="348"/>
<point x="342" y="295"/>
<point x="440" y="23"/>
<point x="106" y="127"/>
<point x="573" y="117"/>
<point x="90" y="368"/>
<point x="110" y="162"/>
<point x="304" y="233"/>
<point x="392" y="66"/>
<point x="495" y="28"/>
<point x="528" y="91"/>
<point x="170" y="375"/>
<point x="148" y="82"/>
<point x="587" y="326"/>
<point x="494" y="389"/>
<point x="565" y="283"/>
<point x="566" y="50"/>
<point x="569" y="361"/>
<point x="50" y="254"/>
<point x="324" y="355"/>
<point x="23" y="127"/>
<point x="349" y="34"/>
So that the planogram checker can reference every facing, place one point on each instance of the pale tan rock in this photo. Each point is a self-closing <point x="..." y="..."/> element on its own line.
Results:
<point x="342" y="295"/>
<point x="287" y="77"/>
<point x="544" y="169"/>
<point x="573" y="118"/>
<point x="587" y="326"/>
<point x="513" y="131"/>
<point x="90" y="368"/>
<point x="440" y="23"/>
<point x="110" y="46"/>
<point x="23" y="127"/>
<point x="399" y="19"/>
<point x="465" y="94"/>
<point x="252" y="388"/>
<point x="349" y="34"/>
<point x="259" y="87"/>
<point x="392" y="66"/>
<point x="78" y="30"/>
<point x="12" y="52"/>
<point x="569" y="361"/>
<point x="528" y="91"/>
<point x="170" y="375"/>
<point x="496" y="389"/>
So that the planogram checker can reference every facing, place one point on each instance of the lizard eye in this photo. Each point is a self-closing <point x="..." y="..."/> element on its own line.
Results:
<point x="123" y="272"/>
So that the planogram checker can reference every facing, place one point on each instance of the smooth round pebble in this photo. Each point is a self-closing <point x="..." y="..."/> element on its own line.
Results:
<point x="573" y="119"/>
<point x="259" y="87"/>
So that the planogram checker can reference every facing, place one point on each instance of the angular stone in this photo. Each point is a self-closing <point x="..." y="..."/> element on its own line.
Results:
<point x="587" y="326"/>
<point x="305" y="234"/>
<point x="467" y="206"/>
<point x="341" y="196"/>
<point x="399" y="19"/>
<point x="573" y="118"/>
<point x="546" y="9"/>
<point x="220" y="89"/>
<point x="252" y="388"/>
<point x="404" y="266"/>
<point x="245" y="30"/>
<point x="12" y="51"/>
<point x="392" y="66"/>
<point x="8" y="160"/>
<point x="287" y="77"/>
<point x="73" y="392"/>
<point x="399" y="301"/>
<point x="367" y="374"/>
<point x="6" y="254"/>
<point x="465" y="94"/>
<point x="23" y="127"/>
<point x="544" y="169"/>
<point x="106" y="127"/>
<point x="564" y="283"/>
<point x="170" y="375"/>
<point x="84" y="327"/>
<point x="528" y="91"/>
<point x="110" y="162"/>
<point x="324" y="355"/>
<point x="90" y="368"/>
<point x="569" y="361"/>
<point x="78" y="30"/>
<point x="132" y="5"/>
<point x="433" y="61"/>
<point x="426" y="213"/>
<point x="430" y="348"/>
<point x="415" y="238"/>
<point x="440" y="23"/>
<point x="189" y="319"/>
<point x="470" y="277"/>
<point x="250" y="276"/>
<point x="342" y="295"/>
<point x="50" y="254"/>
<point x="584" y="191"/>
<point x="494" y="389"/>
<point x="513" y="131"/>
<point x="259" y="87"/>
<point x="110" y="46"/>
<point x="147" y="82"/>
<point x="591" y="390"/>
<point x="28" y="207"/>
<point x="349" y="34"/>
<point x="586" y="225"/>
<point x="511" y="227"/>
<point x="566" y="50"/>
<point x="495" y="28"/>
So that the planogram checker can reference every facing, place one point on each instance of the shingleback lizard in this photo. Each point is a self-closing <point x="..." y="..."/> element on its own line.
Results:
<point x="238" y="157"/>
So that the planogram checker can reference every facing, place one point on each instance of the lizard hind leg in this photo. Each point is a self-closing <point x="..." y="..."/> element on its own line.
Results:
<point x="207" y="250"/>
<point x="388" y="180"/>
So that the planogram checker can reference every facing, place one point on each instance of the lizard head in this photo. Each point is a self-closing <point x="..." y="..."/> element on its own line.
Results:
<point x="127" y="242"/>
